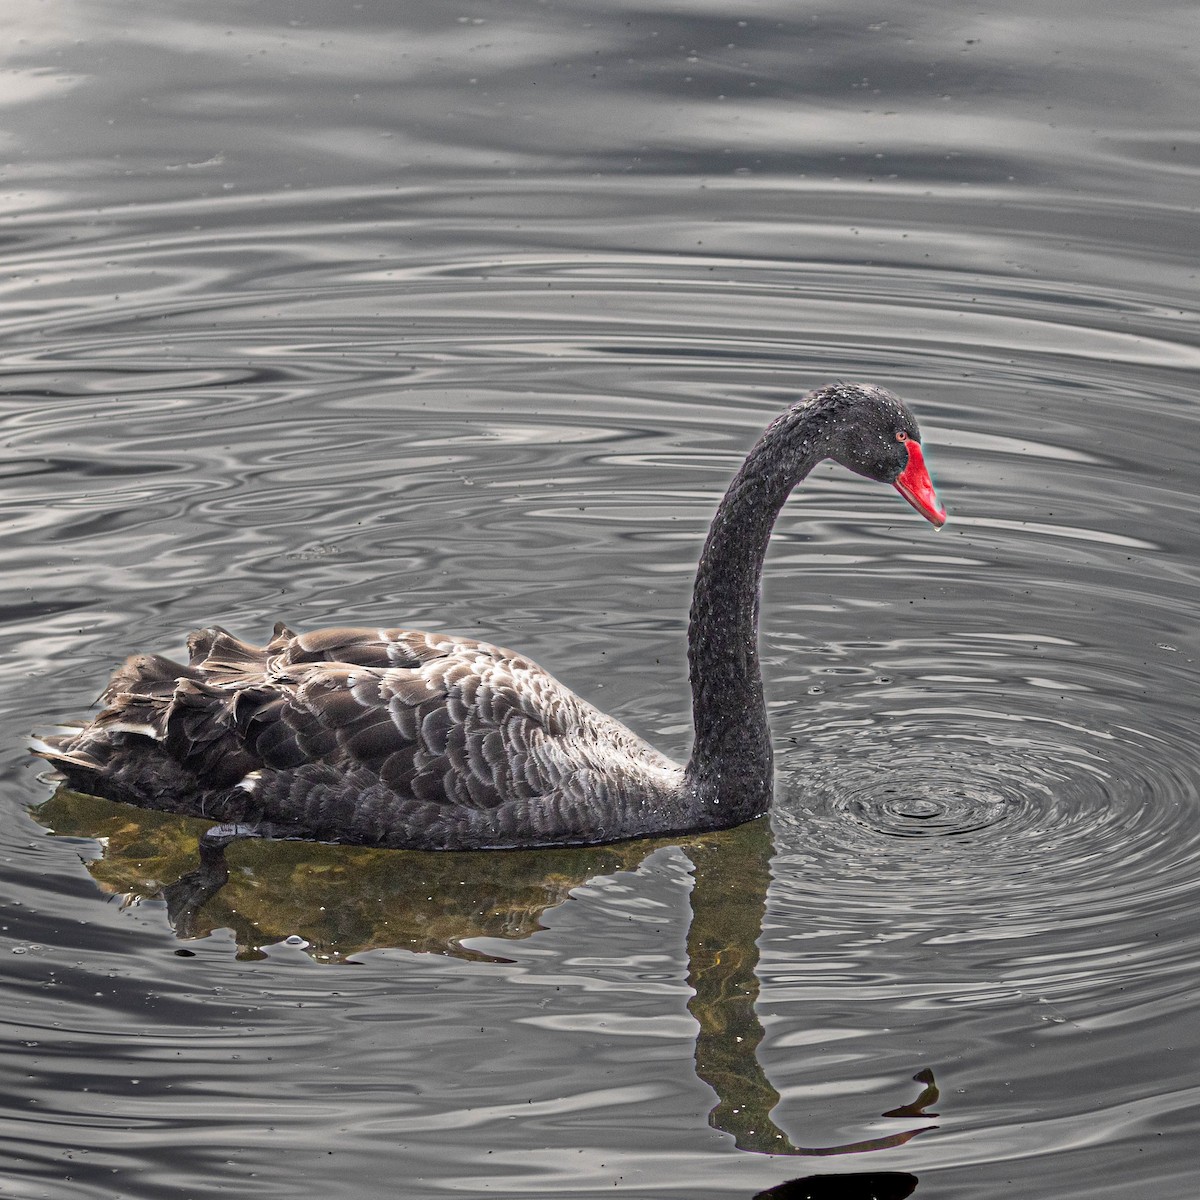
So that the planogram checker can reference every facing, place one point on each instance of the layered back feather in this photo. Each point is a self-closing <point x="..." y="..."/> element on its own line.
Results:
<point x="390" y="737"/>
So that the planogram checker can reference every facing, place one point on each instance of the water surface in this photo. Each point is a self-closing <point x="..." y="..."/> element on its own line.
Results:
<point x="462" y="318"/>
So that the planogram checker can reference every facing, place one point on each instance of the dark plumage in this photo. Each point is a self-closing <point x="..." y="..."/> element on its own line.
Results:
<point x="430" y="741"/>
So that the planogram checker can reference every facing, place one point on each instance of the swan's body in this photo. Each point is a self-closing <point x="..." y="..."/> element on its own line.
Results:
<point x="430" y="741"/>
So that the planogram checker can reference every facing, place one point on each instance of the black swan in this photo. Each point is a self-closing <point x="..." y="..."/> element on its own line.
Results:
<point x="434" y="742"/>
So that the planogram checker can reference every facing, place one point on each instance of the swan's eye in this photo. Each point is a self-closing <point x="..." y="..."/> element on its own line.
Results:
<point x="901" y="436"/>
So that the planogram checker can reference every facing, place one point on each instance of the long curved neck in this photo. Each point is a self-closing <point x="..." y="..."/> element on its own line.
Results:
<point x="732" y="766"/>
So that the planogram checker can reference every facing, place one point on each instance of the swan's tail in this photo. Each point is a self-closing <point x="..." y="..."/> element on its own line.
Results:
<point x="137" y="704"/>
<point x="60" y="749"/>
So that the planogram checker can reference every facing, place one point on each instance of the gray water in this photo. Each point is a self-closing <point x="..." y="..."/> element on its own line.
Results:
<point x="461" y="317"/>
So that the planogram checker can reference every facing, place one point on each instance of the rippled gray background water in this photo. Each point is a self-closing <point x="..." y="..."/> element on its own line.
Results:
<point x="461" y="316"/>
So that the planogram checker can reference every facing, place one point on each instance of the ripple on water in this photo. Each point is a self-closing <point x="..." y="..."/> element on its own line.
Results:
<point x="930" y="814"/>
<point x="1051" y="824"/>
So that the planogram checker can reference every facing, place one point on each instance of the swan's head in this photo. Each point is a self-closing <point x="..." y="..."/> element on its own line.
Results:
<point x="872" y="433"/>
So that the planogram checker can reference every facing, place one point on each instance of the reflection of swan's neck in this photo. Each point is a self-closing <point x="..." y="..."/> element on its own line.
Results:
<point x="732" y="872"/>
<point x="731" y="764"/>
<point x="729" y="900"/>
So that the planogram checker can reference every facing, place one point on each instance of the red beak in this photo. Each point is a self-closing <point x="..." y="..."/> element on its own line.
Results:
<point x="916" y="487"/>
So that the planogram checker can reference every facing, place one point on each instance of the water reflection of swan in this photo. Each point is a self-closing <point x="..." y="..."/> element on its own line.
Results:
<point x="867" y="1185"/>
<point x="341" y="900"/>
<point x="434" y="742"/>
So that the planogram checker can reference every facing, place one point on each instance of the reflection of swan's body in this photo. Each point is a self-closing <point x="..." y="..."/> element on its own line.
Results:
<point x="339" y="901"/>
<point x="432" y="741"/>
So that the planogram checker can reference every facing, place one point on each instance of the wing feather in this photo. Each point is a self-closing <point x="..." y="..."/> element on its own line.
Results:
<point x="413" y="738"/>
